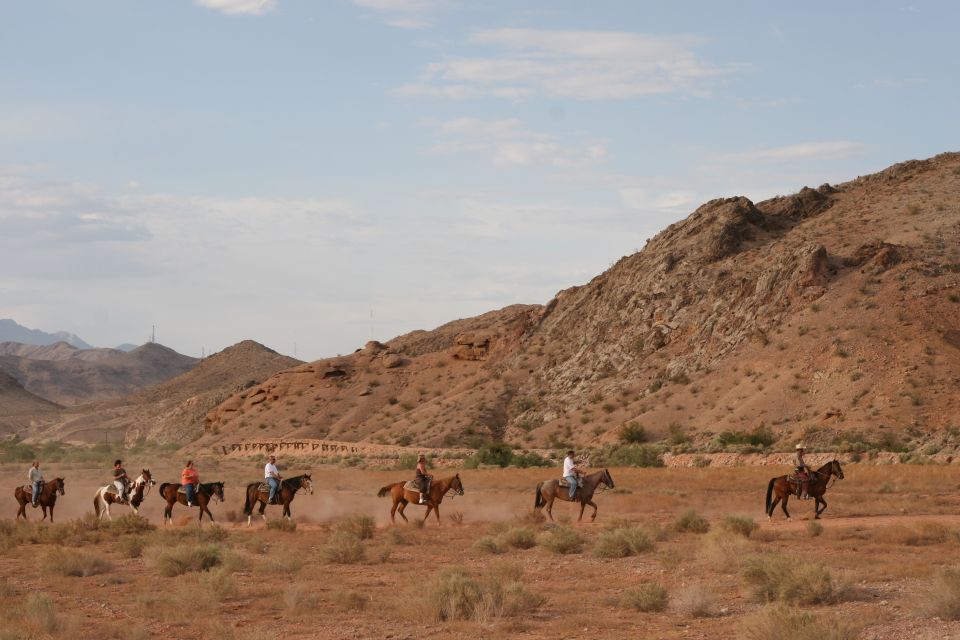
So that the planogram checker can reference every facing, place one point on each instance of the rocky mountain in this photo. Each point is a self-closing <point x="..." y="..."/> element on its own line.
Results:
<point x="172" y="411"/>
<point x="832" y="314"/>
<point x="68" y="376"/>
<point x="11" y="331"/>
<point x="18" y="407"/>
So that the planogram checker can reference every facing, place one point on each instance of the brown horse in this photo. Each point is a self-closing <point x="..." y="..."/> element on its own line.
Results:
<point x="784" y="487"/>
<point x="551" y="490"/>
<point x="170" y="492"/>
<point x="47" y="498"/>
<point x="106" y="496"/>
<point x="438" y="490"/>
<point x="260" y="492"/>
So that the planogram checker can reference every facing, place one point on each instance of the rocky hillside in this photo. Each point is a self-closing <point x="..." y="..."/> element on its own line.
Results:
<point x="18" y="407"/>
<point x="61" y="374"/>
<point x="832" y="314"/>
<point x="56" y="351"/>
<point x="172" y="411"/>
<point x="11" y="331"/>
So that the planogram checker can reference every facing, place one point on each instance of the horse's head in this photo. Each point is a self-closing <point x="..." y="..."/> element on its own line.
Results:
<point x="456" y="485"/>
<point x="59" y="488"/>
<point x="146" y="477"/>
<point x="306" y="483"/>
<point x="606" y="478"/>
<point x="835" y="469"/>
<point x="216" y="490"/>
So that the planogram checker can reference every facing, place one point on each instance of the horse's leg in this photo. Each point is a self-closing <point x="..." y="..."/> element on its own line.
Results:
<point x="263" y="510"/>
<point x="773" y="506"/>
<point x="550" y="507"/>
<point x="51" y="513"/>
<point x="818" y="508"/>
<point x="783" y="505"/>
<point x="436" y="510"/>
<point x="429" y="509"/>
<point x="403" y="505"/>
<point x="583" y="505"/>
<point x="393" y="512"/>
<point x="286" y="510"/>
<point x="22" y="511"/>
<point x="44" y="508"/>
<point x="593" y="504"/>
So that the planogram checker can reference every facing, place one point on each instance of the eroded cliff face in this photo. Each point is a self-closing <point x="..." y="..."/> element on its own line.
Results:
<point x="823" y="312"/>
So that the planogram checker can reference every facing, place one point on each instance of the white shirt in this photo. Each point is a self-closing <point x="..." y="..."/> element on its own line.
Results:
<point x="34" y="475"/>
<point x="270" y="470"/>
<point x="568" y="465"/>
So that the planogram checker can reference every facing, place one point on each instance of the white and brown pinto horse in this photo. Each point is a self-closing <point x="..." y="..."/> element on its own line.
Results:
<point x="107" y="495"/>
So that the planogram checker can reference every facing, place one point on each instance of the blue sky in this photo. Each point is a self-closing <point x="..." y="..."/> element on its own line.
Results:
<point x="279" y="169"/>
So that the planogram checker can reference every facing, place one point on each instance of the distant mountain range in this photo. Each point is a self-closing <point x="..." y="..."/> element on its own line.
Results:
<point x="11" y="331"/>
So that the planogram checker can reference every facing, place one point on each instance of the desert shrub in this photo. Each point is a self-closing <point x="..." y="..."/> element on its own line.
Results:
<point x="778" y="622"/>
<point x="518" y="538"/>
<point x="632" y="433"/>
<point x="488" y="544"/>
<point x="739" y="525"/>
<point x="723" y="552"/>
<point x="622" y="542"/>
<point x="921" y="534"/>
<point x="38" y="614"/>
<point x="759" y="437"/>
<point x="343" y="548"/>
<point x="298" y="598"/>
<point x="651" y="596"/>
<point x="696" y="601"/>
<point x="220" y="584"/>
<point x="529" y="459"/>
<point x="129" y="523"/>
<point x="691" y="522"/>
<point x="942" y="598"/>
<point x="814" y="529"/>
<point x="283" y="563"/>
<point x="184" y="558"/>
<point x="76" y="563"/>
<point x="282" y="524"/>
<point x="562" y="540"/>
<point x="531" y="518"/>
<point x="454" y="595"/>
<point x="456" y="517"/>
<point x="361" y="527"/>
<point x="631" y="455"/>
<point x="787" y="580"/>
<point x="351" y="600"/>
<point x="131" y="546"/>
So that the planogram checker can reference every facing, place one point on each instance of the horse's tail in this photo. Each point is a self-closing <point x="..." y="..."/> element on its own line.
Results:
<point x="538" y="500"/>
<point x="162" y="487"/>
<point x="386" y="490"/>
<point x="247" y="503"/>
<point x="769" y="493"/>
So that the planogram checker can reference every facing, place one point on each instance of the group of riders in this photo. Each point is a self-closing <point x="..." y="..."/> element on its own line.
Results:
<point x="190" y="478"/>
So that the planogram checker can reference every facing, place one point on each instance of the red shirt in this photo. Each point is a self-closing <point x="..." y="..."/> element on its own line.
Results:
<point x="189" y="476"/>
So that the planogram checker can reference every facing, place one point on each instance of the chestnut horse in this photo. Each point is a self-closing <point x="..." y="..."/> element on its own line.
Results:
<point x="260" y="491"/>
<point x="170" y="491"/>
<point x="47" y="498"/>
<point x="551" y="490"/>
<point x="107" y="495"/>
<point x="784" y="487"/>
<point x="438" y="490"/>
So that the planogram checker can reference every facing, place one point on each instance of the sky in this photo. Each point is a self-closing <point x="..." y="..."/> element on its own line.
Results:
<point x="313" y="174"/>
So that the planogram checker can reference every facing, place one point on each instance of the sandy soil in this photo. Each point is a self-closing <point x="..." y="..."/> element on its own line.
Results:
<point x="876" y="541"/>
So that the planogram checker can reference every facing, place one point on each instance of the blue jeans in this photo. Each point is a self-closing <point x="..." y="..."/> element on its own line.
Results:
<point x="191" y="490"/>
<point x="573" y="485"/>
<point x="274" y="488"/>
<point x="37" y="486"/>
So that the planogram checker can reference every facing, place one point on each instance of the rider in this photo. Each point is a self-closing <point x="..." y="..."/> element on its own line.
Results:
<point x="36" y="481"/>
<point x="570" y="473"/>
<point x="190" y="479"/>
<point x="120" y="480"/>
<point x="803" y="471"/>
<point x="423" y="479"/>
<point x="272" y="475"/>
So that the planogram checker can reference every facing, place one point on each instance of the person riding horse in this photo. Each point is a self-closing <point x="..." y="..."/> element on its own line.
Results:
<point x="272" y="475"/>
<point x="190" y="479"/>
<point x="423" y="479"/>
<point x="120" y="480"/>
<point x="35" y="476"/>
<point x="571" y="473"/>
<point x="803" y="471"/>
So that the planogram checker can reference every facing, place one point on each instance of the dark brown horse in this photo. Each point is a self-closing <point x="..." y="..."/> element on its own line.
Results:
<point x="47" y="498"/>
<point x="106" y="496"/>
<point x="260" y="492"/>
<point x="170" y="491"/>
<point x="551" y="490"/>
<point x="784" y="487"/>
<point x="438" y="490"/>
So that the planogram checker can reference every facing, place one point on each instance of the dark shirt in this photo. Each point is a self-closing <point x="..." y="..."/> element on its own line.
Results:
<point x="119" y="473"/>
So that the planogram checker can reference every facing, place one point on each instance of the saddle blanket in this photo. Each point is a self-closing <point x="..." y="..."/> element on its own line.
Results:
<point x="183" y="489"/>
<point x="563" y="483"/>
<point x="411" y="486"/>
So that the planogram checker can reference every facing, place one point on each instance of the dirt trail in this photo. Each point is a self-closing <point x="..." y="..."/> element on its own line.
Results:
<point x="780" y="523"/>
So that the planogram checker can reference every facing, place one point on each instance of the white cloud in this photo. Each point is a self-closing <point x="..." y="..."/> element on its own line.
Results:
<point x="239" y="7"/>
<point x="830" y="150"/>
<point x="644" y="199"/>
<point x="582" y="65"/>
<point x="403" y="14"/>
<point x="507" y="144"/>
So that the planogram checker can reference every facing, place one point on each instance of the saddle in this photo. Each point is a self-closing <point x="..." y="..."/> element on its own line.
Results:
<point x="183" y="489"/>
<point x="563" y="483"/>
<point x="27" y="489"/>
<point x="413" y="485"/>
<point x="264" y="487"/>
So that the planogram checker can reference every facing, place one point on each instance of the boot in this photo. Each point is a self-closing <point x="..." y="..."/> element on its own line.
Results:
<point x="806" y="491"/>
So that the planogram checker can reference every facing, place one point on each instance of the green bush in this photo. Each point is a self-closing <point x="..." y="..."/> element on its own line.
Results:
<point x="632" y="433"/>
<point x="631" y="455"/>
<point x="758" y="437"/>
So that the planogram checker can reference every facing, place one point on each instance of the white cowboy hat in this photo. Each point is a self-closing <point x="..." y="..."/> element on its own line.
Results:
<point x="800" y="446"/>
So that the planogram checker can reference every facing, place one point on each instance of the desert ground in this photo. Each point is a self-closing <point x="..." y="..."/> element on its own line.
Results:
<point x="673" y="554"/>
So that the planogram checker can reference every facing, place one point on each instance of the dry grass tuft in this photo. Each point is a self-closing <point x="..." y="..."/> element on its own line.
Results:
<point x="518" y="538"/>
<point x="456" y="518"/>
<point x="184" y="558"/>
<point x="814" y="529"/>
<point x="739" y="525"/>
<point x="343" y="548"/>
<point x="921" y="534"/>
<point x="622" y="542"/>
<point x="696" y="601"/>
<point x="723" y="552"/>
<point x="651" y="596"/>
<point x="780" y="623"/>
<point x="359" y="526"/>
<point x="691" y="522"/>
<point x="351" y="600"/>
<point x="454" y="595"/>
<point x="562" y="540"/>
<point x="72" y="562"/>
<point x="788" y="580"/>
<point x="299" y="599"/>
<point x="282" y="524"/>
<point x="488" y="544"/>
<point x="942" y="599"/>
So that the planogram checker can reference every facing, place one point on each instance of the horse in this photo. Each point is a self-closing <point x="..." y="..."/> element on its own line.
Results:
<point x="106" y="496"/>
<point x="438" y="490"/>
<point x="550" y="490"/>
<point x="260" y="491"/>
<point x="170" y="492"/>
<point x="47" y="498"/>
<point x="783" y="487"/>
